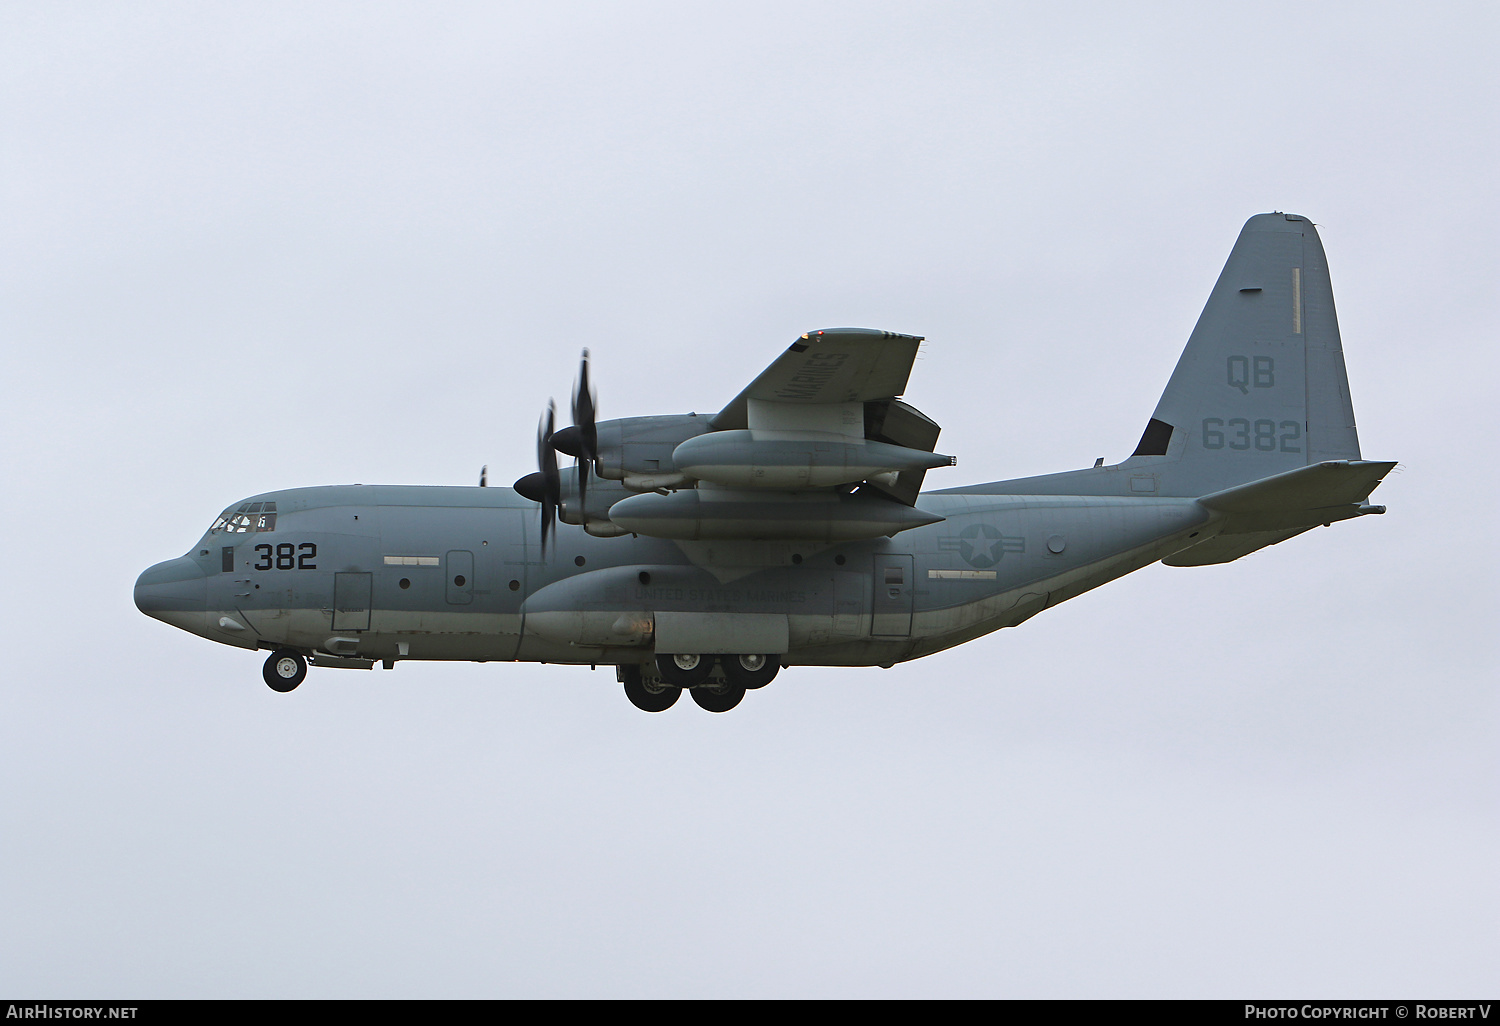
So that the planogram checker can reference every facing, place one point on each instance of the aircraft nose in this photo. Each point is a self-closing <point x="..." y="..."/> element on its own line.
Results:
<point x="176" y="586"/>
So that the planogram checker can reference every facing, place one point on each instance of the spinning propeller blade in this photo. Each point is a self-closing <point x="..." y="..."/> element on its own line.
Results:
<point x="544" y="486"/>
<point x="546" y="458"/>
<point x="585" y="412"/>
<point x="581" y="440"/>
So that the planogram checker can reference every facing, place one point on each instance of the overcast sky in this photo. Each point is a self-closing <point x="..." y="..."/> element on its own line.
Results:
<point x="246" y="247"/>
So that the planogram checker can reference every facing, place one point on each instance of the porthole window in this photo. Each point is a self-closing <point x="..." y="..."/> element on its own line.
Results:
<point x="578" y="561"/>
<point x="515" y="585"/>
<point x="839" y="559"/>
<point x="459" y="581"/>
<point x="406" y="582"/>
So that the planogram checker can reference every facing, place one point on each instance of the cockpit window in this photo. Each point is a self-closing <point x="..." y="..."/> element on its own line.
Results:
<point x="247" y="518"/>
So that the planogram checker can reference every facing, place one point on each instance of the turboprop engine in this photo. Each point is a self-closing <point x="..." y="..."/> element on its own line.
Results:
<point x="637" y="451"/>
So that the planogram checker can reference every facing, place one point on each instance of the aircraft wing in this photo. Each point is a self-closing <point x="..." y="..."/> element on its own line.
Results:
<point x="818" y="447"/>
<point x="835" y="365"/>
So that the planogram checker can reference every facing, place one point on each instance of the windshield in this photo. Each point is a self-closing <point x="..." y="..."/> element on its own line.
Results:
<point x="247" y="518"/>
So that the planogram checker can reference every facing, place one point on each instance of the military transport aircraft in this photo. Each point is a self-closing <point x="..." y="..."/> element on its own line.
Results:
<point x="705" y="553"/>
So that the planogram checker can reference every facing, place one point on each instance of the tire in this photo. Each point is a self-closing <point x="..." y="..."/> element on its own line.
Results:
<point x="648" y="697"/>
<point x="684" y="670"/>
<point x="717" y="700"/>
<point x="284" y="670"/>
<point x="761" y="671"/>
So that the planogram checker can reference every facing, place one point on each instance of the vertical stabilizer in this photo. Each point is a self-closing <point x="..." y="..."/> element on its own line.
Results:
<point x="1260" y="388"/>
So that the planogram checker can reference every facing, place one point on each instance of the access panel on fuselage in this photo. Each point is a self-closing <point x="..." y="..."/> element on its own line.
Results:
<point x="351" y="602"/>
<point x="460" y="584"/>
<point x="894" y="591"/>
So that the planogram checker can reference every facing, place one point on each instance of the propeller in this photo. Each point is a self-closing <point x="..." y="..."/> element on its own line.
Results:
<point x="582" y="439"/>
<point x="544" y="486"/>
<point x="584" y="411"/>
<point x="484" y="476"/>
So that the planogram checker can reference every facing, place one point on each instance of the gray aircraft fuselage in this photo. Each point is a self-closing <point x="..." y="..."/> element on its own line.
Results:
<point x="451" y="573"/>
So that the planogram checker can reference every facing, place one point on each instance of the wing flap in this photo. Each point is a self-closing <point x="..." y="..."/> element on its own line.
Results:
<point x="899" y="424"/>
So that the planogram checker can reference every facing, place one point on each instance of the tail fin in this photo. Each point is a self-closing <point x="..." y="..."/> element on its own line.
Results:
<point x="1259" y="391"/>
<point x="1261" y="387"/>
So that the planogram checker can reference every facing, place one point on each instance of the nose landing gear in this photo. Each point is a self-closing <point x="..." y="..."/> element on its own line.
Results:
<point x="284" y="670"/>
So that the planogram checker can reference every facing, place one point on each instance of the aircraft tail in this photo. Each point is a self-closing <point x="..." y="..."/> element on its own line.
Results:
<point x="1256" y="421"/>
<point x="1261" y="387"/>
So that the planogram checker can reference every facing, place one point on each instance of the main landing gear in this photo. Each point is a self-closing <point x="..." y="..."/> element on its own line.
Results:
<point x="684" y="671"/>
<point x="749" y="671"/>
<point x="284" y="670"/>
<point x="695" y="673"/>
<point x="648" y="697"/>
<point x="721" y="698"/>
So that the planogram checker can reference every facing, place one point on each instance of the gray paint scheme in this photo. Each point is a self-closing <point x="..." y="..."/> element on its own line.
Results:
<point x="1261" y="447"/>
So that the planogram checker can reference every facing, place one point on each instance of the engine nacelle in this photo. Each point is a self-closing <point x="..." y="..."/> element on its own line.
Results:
<point x="601" y="496"/>
<point x="637" y="447"/>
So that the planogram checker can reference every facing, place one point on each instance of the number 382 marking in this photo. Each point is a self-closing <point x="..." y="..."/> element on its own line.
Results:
<point x="287" y="556"/>
<point x="1263" y="435"/>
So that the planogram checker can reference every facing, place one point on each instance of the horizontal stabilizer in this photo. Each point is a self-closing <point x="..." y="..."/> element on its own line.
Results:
<point x="1334" y="483"/>
<point x="1228" y="548"/>
<point x="1283" y="506"/>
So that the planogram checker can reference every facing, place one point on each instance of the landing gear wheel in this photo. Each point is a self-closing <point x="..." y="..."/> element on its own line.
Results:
<point x="284" y="670"/>
<point x="648" y="697"/>
<point x="684" y="670"/>
<point x="749" y="671"/>
<point x="718" y="699"/>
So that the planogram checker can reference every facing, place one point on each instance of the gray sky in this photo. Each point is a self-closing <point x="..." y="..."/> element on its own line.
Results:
<point x="252" y="247"/>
